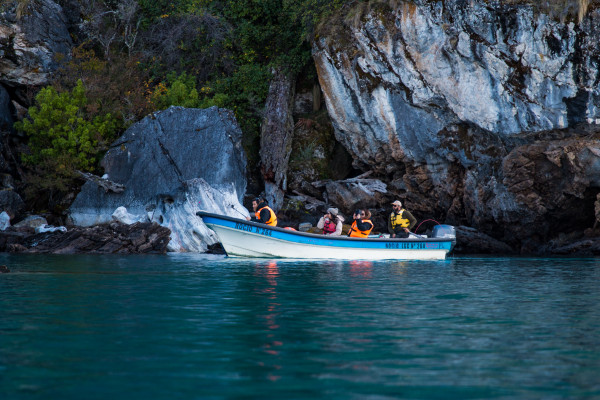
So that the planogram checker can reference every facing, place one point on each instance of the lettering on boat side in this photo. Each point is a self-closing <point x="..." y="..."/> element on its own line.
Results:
<point x="243" y="227"/>
<point x="248" y="228"/>
<point x="263" y="231"/>
<point x="412" y="246"/>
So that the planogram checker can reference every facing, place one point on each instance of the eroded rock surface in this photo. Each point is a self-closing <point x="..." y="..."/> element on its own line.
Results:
<point x="31" y="41"/>
<point x="476" y="113"/>
<point x="172" y="164"/>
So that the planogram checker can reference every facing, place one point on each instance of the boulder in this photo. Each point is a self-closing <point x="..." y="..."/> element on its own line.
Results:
<point x="32" y="221"/>
<point x="169" y="163"/>
<point x="4" y="220"/>
<point x="121" y="215"/>
<point x="471" y="241"/>
<point x="11" y="202"/>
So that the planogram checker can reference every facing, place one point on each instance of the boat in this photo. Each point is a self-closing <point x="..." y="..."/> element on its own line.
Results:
<point x="241" y="238"/>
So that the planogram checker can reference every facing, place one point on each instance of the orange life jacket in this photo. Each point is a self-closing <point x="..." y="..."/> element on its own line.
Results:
<point x="329" y="227"/>
<point x="272" y="221"/>
<point x="355" y="232"/>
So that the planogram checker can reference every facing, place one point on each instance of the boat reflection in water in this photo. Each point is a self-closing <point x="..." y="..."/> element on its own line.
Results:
<point x="270" y="345"/>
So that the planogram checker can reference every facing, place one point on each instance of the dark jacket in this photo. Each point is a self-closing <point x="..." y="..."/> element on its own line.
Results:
<point x="363" y="226"/>
<point x="265" y="215"/>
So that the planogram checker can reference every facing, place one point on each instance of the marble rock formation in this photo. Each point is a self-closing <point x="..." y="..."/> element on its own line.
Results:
<point x="173" y="163"/>
<point x="479" y="114"/>
<point x="31" y="41"/>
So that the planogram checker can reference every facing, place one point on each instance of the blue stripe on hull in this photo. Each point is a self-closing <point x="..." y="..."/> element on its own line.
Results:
<point x="321" y="240"/>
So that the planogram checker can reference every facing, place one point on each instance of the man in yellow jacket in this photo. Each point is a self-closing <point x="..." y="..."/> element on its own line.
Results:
<point x="400" y="221"/>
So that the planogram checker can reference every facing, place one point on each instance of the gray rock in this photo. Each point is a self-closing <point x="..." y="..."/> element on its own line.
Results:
<point x="6" y="111"/>
<point x="32" y="221"/>
<point x="157" y="155"/>
<point x="100" y="239"/>
<point x="4" y="221"/>
<point x="11" y="202"/>
<point x="471" y="241"/>
<point x="462" y="105"/>
<point x="31" y="43"/>
<point x="172" y="163"/>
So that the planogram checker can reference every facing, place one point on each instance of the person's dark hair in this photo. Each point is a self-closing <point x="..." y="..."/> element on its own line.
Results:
<point x="260" y="199"/>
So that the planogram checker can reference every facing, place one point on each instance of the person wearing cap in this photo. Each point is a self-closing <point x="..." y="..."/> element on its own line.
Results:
<point x="401" y="221"/>
<point x="331" y="223"/>
<point x="262" y="212"/>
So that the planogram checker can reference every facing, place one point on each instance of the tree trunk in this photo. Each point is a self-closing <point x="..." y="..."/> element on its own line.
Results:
<point x="276" y="137"/>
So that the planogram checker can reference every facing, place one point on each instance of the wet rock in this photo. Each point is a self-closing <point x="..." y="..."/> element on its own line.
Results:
<point x="471" y="241"/>
<point x="216" y="248"/>
<point x="101" y="239"/>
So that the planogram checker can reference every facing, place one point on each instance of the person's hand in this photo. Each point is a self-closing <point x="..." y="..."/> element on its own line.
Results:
<point x="393" y="235"/>
<point x="247" y="218"/>
<point x="406" y="230"/>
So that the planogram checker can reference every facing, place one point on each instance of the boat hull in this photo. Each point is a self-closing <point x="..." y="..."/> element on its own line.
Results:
<point x="249" y="239"/>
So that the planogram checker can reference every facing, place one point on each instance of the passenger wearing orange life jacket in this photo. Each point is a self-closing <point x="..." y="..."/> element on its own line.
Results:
<point x="262" y="212"/>
<point x="362" y="226"/>
<point x="331" y="223"/>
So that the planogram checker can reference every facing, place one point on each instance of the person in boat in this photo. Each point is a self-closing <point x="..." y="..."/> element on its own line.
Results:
<point x="331" y="223"/>
<point x="262" y="212"/>
<point x="362" y="225"/>
<point x="400" y="221"/>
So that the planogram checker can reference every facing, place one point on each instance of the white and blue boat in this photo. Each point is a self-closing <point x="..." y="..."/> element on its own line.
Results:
<point x="241" y="238"/>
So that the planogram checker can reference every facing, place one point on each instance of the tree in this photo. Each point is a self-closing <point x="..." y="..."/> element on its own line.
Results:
<point x="59" y="131"/>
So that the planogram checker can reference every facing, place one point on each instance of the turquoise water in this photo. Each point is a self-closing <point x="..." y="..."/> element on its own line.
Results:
<point x="198" y="327"/>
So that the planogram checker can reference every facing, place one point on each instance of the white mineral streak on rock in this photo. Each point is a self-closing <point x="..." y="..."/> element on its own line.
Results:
<point x="188" y="232"/>
<point x="397" y="87"/>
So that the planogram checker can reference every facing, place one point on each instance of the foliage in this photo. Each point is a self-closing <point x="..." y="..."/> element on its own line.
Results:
<point x="61" y="137"/>
<point x="176" y="91"/>
<point x="118" y="87"/>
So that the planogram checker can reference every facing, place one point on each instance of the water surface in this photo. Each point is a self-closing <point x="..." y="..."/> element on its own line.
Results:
<point x="207" y="327"/>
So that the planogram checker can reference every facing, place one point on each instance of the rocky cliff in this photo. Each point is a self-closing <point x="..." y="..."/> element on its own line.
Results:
<point x="479" y="113"/>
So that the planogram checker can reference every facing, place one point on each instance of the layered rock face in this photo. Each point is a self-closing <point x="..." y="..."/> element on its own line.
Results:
<point x="172" y="164"/>
<point x="478" y="114"/>
<point x="31" y="39"/>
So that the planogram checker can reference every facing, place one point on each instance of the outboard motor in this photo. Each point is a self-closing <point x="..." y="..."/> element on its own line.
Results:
<point x="444" y="232"/>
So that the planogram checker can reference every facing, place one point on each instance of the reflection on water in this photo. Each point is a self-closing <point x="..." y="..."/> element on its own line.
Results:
<point x="361" y="268"/>
<point x="270" y="272"/>
<point x="186" y="327"/>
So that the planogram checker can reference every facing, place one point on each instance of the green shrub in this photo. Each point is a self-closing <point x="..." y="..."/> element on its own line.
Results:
<point x="176" y="91"/>
<point x="59" y="129"/>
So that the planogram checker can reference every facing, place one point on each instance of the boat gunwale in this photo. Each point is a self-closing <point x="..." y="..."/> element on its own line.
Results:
<point x="318" y="235"/>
